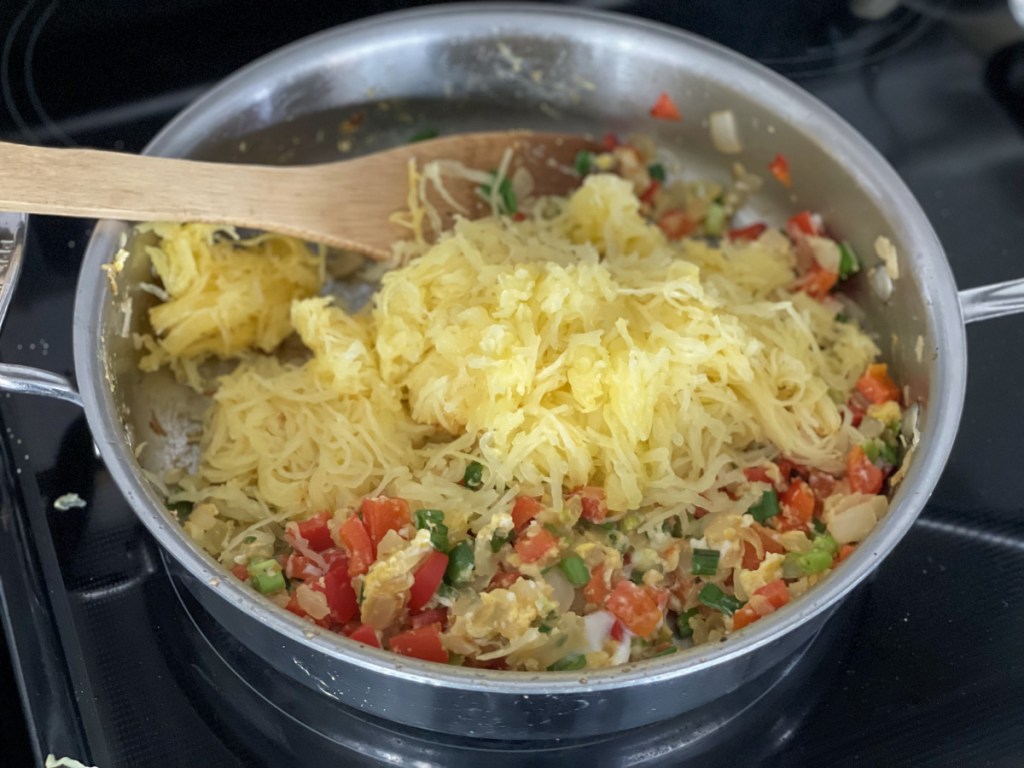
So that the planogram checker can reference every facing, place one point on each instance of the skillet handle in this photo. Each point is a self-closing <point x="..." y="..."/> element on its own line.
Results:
<point x="989" y="301"/>
<point x="20" y="378"/>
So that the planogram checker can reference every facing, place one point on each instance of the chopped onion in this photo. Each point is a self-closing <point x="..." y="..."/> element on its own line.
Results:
<point x="854" y="523"/>
<point x="725" y="133"/>
<point x="870" y="427"/>
<point x="300" y="545"/>
<point x="826" y="253"/>
<point x="596" y="627"/>
<point x="312" y="602"/>
<point x="561" y="590"/>
<point x="621" y="655"/>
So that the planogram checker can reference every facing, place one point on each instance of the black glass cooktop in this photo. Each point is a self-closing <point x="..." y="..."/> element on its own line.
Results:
<point x="104" y="661"/>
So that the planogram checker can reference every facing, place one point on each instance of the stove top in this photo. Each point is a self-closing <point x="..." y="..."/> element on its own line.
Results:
<point x="116" y="668"/>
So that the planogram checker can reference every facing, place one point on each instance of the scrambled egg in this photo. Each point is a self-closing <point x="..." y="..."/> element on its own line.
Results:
<point x="748" y="582"/>
<point x="499" y="619"/>
<point x="386" y="586"/>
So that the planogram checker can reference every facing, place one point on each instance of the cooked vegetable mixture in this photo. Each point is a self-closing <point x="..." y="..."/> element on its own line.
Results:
<point x="577" y="433"/>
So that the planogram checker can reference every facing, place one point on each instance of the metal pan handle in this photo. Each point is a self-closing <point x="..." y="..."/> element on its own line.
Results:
<point x="989" y="301"/>
<point x="21" y="378"/>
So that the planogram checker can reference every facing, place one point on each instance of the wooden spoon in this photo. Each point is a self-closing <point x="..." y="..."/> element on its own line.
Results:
<point x="344" y="204"/>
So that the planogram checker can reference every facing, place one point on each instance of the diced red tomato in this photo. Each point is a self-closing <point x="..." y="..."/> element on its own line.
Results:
<point x="437" y="615"/>
<point x="366" y="634"/>
<point x="335" y="557"/>
<point x="757" y="475"/>
<point x="647" y="196"/>
<point x="595" y="508"/>
<point x="518" y="216"/>
<point x="610" y="141"/>
<point x="801" y="224"/>
<point x="699" y="512"/>
<point x="300" y="567"/>
<point x="357" y="541"/>
<point x="535" y="544"/>
<point x="676" y="224"/>
<point x="635" y="606"/>
<point x="341" y="597"/>
<point x="665" y="109"/>
<point x="863" y="476"/>
<point x="524" y="511"/>
<point x="765" y="600"/>
<point x="798" y="506"/>
<point x="751" y="232"/>
<point x="503" y="579"/>
<point x="876" y="384"/>
<point x="596" y="591"/>
<point x="315" y="531"/>
<point x="780" y="170"/>
<point x="858" y="406"/>
<point x="384" y="514"/>
<point x="817" y="281"/>
<point x="618" y="631"/>
<point x="427" y="579"/>
<point x="420" y="643"/>
<point x="822" y="484"/>
<point x="240" y="572"/>
<point x="844" y="552"/>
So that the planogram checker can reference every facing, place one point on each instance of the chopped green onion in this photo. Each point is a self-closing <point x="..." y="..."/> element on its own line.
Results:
<point x="705" y="562"/>
<point x="637" y="577"/>
<point x="713" y="597"/>
<point x="666" y="652"/>
<point x="571" y="662"/>
<point x="870" y="449"/>
<point x="460" y="564"/>
<point x="575" y="570"/>
<point x="657" y="172"/>
<point x="849" y="264"/>
<point x="813" y="561"/>
<point x="446" y="591"/>
<point x="180" y="508"/>
<point x="433" y="521"/>
<point x="827" y="543"/>
<point x="499" y="540"/>
<point x="766" y="508"/>
<point x="714" y="220"/>
<point x="266" y="575"/>
<point x="607" y="527"/>
<point x="842" y="317"/>
<point x="506" y="193"/>
<point x="683" y="628"/>
<point x="583" y="163"/>
<point x="545" y="629"/>
<point x="426" y="133"/>
<point x="474" y="476"/>
<point x="818" y="525"/>
<point x="888" y="454"/>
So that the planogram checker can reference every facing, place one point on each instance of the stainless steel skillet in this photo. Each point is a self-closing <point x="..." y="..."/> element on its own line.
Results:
<point x="477" y="67"/>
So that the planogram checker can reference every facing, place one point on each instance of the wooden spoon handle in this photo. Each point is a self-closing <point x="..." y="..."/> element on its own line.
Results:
<point x="114" y="185"/>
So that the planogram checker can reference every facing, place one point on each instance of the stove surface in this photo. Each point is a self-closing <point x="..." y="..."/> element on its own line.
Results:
<point x="115" y="668"/>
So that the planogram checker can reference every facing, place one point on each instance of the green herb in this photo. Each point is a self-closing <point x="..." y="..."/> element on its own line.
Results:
<point x="637" y="577"/>
<point x="657" y="172"/>
<point x="266" y="575"/>
<point x="571" y="662"/>
<point x="433" y="520"/>
<point x="683" y="627"/>
<point x="460" y="564"/>
<point x="705" y="562"/>
<point x="426" y="133"/>
<point x="181" y="508"/>
<point x="474" y="476"/>
<point x="713" y="597"/>
<point x="714" y="220"/>
<point x="506" y="195"/>
<point x="766" y="508"/>
<point x="545" y="629"/>
<point x="499" y="540"/>
<point x="849" y="264"/>
<point x="575" y="570"/>
<point x="248" y="539"/>
<point x="583" y="163"/>
<point x="818" y="525"/>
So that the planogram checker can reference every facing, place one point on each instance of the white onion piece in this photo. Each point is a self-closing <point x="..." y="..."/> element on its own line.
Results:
<point x="853" y="524"/>
<point x="300" y="545"/>
<point x="562" y="591"/>
<point x="596" y="627"/>
<point x="881" y="283"/>
<point x="826" y="253"/>
<point x="725" y="134"/>
<point x="621" y="655"/>
<point x="522" y="183"/>
<point x="312" y="602"/>
<point x="871" y="428"/>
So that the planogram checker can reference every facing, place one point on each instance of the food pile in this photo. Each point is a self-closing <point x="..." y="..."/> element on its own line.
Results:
<point x="578" y="432"/>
